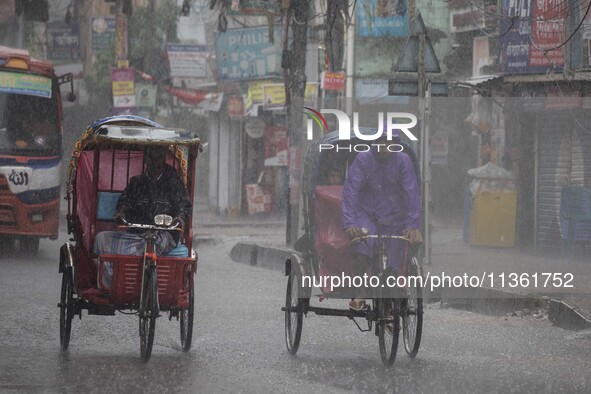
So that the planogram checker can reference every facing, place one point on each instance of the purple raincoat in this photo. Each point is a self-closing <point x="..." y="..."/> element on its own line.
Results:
<point x="384" y="197"/>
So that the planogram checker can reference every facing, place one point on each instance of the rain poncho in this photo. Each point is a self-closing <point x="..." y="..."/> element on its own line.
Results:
<point x="384" y="197"/>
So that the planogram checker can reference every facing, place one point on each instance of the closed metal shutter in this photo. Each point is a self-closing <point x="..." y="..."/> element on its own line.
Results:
<point x="554" y="170"/>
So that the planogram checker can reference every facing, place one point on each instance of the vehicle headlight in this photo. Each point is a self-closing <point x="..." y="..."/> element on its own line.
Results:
<point x="162" y="220"/>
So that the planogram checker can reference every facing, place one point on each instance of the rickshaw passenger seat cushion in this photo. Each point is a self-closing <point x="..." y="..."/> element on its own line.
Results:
<point x="180" y="251"/>
<point x="107" y="205"/>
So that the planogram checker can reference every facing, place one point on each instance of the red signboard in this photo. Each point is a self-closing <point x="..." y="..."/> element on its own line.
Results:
<point x="276" y="146"/>
<point x="235" y="106"/>
<point x="548" y="27"/>
<point x="334" y="81"/>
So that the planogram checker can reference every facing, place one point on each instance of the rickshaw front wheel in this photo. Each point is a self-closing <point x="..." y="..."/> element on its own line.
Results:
<point x="187" y="323"/>
<point x="412" y="313"/>
<point x="293" y="315"/>
<point x="66" y="308"/>
<point x="148" y="313"/>
<point x="388" y="329"/>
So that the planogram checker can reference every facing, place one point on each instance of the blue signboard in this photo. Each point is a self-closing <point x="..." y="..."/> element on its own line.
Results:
<point x="376" y="18"/>
<point x="244" y="54"/>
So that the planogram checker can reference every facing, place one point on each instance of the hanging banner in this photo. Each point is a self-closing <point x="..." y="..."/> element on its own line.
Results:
<point x="276" y="148"/>
<point x="207" y="101"/>
<point x="274" y="95"/>
<point x="103" y="33"/>
<point x="187" y="60"/>
<point x="121" y="36"/>
<point x="378" y="18"/>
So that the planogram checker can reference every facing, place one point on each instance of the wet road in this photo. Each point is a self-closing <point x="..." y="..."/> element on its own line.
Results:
<point x="238" y="344"/>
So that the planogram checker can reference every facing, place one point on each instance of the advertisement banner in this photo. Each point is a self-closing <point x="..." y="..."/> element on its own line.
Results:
<point x="243" y="54"/>
<point x="532" y="33"/>
<point x="121" y="36"/>
<point x="123" y="80"/>
<point x="235" y="106"/>
<point x="334" y="81"/>
<point x="187" y="60"/>
<point x="276" y="148"/>
<point x="254" y="94"/>
<point x="377" y="18"/>
<point x="32" y="85"/>
<point x="274" y="95"/>
<point x="63" y="42"/>
<point x="103" y="33"/>
<point x="145" y="95"/>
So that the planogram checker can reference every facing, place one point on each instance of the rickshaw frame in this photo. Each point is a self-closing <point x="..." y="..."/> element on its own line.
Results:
<point x="305" y="261"/>
<point x="123" y="138"/>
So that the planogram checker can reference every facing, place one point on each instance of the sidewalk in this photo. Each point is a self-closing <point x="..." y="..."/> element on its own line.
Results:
<point x="261" y="241"/>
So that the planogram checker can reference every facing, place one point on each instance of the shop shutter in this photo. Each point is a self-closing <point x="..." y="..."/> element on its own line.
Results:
<point x="554" y="169"/>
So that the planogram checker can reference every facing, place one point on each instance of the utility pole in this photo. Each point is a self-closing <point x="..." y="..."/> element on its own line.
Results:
<point x="297" y="88"/>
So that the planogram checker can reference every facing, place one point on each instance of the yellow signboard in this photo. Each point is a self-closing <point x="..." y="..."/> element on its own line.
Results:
<point x="254" y="95"/>
<point x="274" y="95"/>
<point x="123" y="88"/>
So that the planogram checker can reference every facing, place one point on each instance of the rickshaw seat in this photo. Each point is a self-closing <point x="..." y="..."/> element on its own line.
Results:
<point x="180" y="251"/>
<point x="332" y="242"/>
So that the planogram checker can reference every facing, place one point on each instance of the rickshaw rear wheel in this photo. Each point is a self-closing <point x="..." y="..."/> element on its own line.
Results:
<point x="293" y="318"/>
<point x="66" y="308"/>
<point x="148" y="313"/>
<point x="187" y="322"/>
<point x="388" y="330"/>
<point x="412" y="313"/>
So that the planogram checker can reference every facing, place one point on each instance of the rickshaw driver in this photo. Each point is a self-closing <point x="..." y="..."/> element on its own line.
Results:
<point x="381" y="194"/>
<point x="158" y="191"/>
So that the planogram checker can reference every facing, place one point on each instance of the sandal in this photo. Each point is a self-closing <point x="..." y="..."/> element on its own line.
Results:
<point x="357" y="304"/>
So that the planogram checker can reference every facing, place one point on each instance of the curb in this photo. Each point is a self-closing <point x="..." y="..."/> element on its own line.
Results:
<point x="486" y="301"/>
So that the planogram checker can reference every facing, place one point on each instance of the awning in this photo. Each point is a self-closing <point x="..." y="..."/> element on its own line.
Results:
<point x="478" y="81"/>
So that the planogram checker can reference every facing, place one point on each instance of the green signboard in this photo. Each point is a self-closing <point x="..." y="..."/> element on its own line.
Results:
<point x="32" y="85"/>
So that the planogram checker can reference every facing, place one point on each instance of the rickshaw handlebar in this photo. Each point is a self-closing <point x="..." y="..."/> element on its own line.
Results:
<point x="378" y="237"/>
<point x="125" y="225"/>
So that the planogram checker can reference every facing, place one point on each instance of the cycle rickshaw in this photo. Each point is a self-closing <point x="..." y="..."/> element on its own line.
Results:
<point x="104" y="160"/>
<point x="324" y="251"/>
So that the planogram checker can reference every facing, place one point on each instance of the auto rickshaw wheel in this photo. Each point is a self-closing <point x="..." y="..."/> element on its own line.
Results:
<point x="148" y="313"/>
<point x="412" y="313"/>
<point x="187" y="323"/>
<point x="293" y="315"/>
<point x="66" y="308"/>
<point x="388" y="329"/>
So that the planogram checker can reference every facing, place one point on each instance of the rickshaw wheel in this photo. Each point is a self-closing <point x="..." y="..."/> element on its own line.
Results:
<point x="388" y="333"/>
<point x="293" y="319"/>
<point x="187" y="323"/>
<point x="412" y="314"/>
<point x="66" y="308"/>
<point x="148" y="313"/>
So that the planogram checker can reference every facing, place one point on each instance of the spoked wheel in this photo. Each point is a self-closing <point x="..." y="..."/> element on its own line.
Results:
<point x="293" y="316"/>
<point x="388" y="329"/>
<point x="66" y="308"/>
<point x="411" y="311"/>
<point x="148" y="313"/>
<point x="187" y="323"/>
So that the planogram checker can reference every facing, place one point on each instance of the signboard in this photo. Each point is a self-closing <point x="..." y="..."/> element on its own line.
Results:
<point x="145" y="95"/>
<point x="276" y="147"/>
<point x="254" y="94"/>
<point x="103" y="33"/>
<point x="274" y="95"/>
<point x="123" y="81"/>
<point x="235" y="106"/>
<point x="534" y="31"/>
<point x="480" y="55"/>
<point x="63" y="42"/>
<point x="334" y="81"/>
<point x="32" y="85"/>
<point x="187" y="60"/>
<point x="562" y="98"/>
<point x="243" y="54"/>
<point x="124" y="101"/>
<point x="377" y="18"/>
<point x="254" y="7"/>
